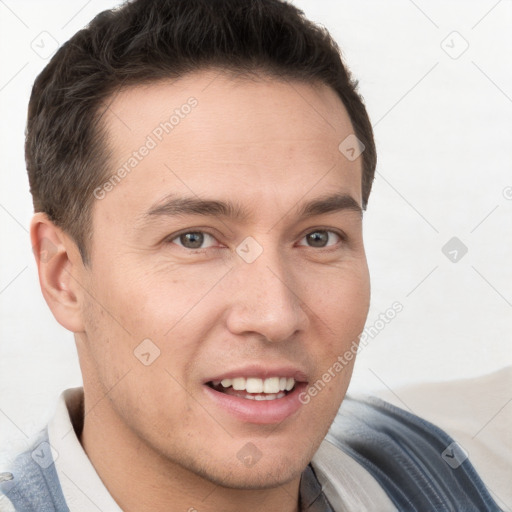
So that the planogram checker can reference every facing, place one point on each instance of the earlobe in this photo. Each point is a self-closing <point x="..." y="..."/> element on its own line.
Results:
<point x="57" y="259"/>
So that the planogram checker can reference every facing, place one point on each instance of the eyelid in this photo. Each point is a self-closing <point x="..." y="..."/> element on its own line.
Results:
<point x="324" y="227"/>
<point x="343" y="237"/>
<point x="170" y="238"/>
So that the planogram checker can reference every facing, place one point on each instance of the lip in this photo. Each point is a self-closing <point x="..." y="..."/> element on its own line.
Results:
<point x="263" y="412"/>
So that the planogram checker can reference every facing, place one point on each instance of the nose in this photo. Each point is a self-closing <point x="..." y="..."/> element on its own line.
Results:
<point x="265" y="300"/>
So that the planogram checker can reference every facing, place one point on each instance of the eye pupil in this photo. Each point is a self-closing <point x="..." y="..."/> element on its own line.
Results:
<point x="193" y="240"/>
<point x="318" y="238"/>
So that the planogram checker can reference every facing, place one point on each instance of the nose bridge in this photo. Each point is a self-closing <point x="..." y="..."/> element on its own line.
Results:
<point x="265" y="301"/>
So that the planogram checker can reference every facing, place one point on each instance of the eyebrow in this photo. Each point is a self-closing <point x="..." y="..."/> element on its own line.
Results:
<point x="178" y="206"/>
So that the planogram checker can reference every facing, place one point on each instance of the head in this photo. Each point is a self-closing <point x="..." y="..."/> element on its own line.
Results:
<point x="201" y="223"/>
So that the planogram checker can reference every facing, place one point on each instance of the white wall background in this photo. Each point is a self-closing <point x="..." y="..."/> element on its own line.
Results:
<point x="443" y="126"/>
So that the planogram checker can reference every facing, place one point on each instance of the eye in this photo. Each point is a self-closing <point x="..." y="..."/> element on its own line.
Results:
<point x="321" y="238"/>
<point x="194" y="240"/>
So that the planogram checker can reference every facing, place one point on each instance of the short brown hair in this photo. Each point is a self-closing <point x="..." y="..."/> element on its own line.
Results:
<point x="149" y="40"/>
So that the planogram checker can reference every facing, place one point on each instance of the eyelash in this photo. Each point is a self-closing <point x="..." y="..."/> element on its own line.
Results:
<point x="172" y="238"/>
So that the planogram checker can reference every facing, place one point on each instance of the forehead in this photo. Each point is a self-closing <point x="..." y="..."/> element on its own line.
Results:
<point x="223" y="91"/>
<point x="210" y="133"/>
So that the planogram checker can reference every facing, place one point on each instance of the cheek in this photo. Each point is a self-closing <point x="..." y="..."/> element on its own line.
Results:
<point x="103" y="360"/>
<point x="150" y="326"/>
<point x="341" y="304"/>
<point x="136" y="364"/>
<point x="158" y="299"/>
<point x="341" y="298"/>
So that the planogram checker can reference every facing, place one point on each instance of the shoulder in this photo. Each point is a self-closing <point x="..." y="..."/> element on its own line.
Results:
<point x="477" y="412"/>
<point x="30" y="481"/>
<point x="419" y="466"/>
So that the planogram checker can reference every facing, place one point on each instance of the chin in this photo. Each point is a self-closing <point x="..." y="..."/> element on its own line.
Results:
<point x="262" y="474"/>
<point x="267" y="476"/>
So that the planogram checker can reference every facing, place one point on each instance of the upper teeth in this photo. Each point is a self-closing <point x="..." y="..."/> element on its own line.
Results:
<point x="255" y="385"/>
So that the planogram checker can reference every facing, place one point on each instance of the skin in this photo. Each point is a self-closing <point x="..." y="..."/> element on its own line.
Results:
<point x="155" y="438"/>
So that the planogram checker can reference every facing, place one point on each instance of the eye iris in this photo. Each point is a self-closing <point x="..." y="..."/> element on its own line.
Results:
<point x="192" y="240"/>
<point x="318" y="238"/>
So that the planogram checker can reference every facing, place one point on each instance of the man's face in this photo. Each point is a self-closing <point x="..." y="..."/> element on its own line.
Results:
<point x="274" y="285"/>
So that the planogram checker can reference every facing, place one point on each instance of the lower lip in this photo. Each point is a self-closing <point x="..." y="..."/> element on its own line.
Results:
<point x="259" y="411"/>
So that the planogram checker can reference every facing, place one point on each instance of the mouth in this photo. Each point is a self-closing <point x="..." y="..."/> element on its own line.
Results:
<point x="253" y="388"/>
<point x="256" y="395"/>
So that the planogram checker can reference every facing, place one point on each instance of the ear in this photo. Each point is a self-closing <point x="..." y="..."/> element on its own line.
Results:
<point x="58" y="264"/>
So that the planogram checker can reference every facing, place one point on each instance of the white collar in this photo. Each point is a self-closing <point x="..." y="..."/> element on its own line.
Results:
<point x="82" y="487"/>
